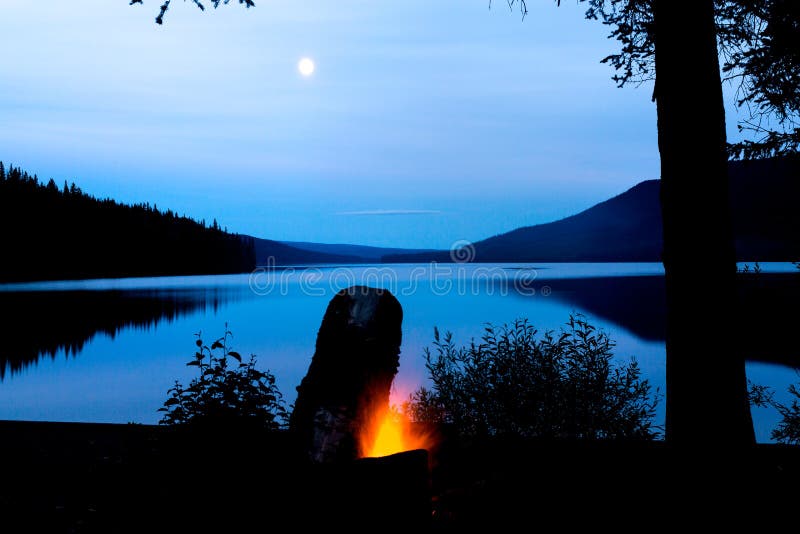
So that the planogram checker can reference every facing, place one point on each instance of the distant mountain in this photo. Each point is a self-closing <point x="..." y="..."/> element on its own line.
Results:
<point x="766" y="209"/>
<point x="365" y="253"/>
<point x="305" y="253"/>
<point x="764" y="205"/>
<point x="270" y="252"/>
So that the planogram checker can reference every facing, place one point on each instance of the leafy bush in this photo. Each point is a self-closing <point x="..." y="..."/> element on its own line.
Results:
<point x="517" y="383"/>
<point x="225" y="393"/>
<point x="788" y="430"/>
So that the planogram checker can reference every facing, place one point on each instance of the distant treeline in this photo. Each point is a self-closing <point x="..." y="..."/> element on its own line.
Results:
<point x="51" y="232"/>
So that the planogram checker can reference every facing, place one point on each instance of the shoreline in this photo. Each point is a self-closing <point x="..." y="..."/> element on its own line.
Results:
<point x="105" y="477"/>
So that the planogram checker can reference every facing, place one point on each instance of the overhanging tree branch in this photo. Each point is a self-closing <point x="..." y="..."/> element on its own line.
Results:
<point x="165" y="6"/>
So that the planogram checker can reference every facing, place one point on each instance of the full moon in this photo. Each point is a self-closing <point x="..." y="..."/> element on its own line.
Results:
<point x="306" y="66"/>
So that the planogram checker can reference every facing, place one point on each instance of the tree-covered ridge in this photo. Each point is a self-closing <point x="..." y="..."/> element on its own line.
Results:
<point x="52" y="232"/>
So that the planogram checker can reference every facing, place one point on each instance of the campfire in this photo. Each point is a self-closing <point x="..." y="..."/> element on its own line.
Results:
<point x="373" y="461"/>
<point x="390" y="431"/>
<point x="342" y="411"/>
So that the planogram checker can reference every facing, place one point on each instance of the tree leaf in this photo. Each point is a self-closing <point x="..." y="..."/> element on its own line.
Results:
<point x="236" y="355"/>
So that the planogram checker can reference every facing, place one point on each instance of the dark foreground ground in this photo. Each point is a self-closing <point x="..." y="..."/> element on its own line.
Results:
<point x="63" y="477"/>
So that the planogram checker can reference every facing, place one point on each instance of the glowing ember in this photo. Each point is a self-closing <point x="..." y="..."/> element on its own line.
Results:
<point x="391" y="432"/>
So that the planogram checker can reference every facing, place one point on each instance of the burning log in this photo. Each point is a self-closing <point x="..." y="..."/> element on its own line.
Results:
<point x="351" y="373"/>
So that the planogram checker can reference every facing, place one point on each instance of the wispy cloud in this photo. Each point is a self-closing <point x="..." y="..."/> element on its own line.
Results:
<point x="390" y="212"/>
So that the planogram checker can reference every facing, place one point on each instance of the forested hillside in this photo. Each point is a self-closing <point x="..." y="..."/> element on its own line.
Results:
<point x="60" y="232"/>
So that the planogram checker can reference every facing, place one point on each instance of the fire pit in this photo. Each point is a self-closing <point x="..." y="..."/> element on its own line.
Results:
<point x="365" y="459"/>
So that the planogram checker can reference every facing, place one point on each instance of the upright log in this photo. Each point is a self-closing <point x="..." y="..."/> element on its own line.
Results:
<point x="351" y="373"/>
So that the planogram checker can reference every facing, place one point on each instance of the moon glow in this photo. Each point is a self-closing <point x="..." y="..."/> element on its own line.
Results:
<point x="306" y="67"/>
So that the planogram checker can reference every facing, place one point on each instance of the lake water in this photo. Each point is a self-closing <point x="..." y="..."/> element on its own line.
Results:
<point x="108" y="350"/>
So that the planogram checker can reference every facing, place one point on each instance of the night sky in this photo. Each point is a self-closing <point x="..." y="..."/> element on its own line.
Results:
<point x="424" y="122"/>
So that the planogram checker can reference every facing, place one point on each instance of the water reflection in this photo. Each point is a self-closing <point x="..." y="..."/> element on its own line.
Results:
<point x="126" y="378"/>
<point x="637" y="303"/>
<point x="766" y="316"/>
<point x="37" y="324"/>
<point x="44" y="322"/>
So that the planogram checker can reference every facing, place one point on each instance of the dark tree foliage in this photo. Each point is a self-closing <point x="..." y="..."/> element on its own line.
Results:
<point x="66" y="234"/>
<point x="515" y="382"/>
<point x="227" y="392"/>
<point x="165" y="6"/>
<point x="760" y="52"/>
<point x="788" y="430"/>
<point x="761" y="44"/>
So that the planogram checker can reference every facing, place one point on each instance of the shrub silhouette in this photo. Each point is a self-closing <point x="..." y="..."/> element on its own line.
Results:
<point x="225" y="393"/>
<point x="788" y="429"/>
<point x="517" y="383"/>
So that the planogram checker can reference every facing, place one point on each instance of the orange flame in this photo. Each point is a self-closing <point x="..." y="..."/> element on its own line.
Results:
<point x="390" y="431"/>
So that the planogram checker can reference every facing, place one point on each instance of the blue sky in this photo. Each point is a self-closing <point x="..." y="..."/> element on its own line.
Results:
<point x="425" y="122"/>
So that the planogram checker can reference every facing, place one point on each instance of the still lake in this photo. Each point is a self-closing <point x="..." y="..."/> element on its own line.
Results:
<point x="108" y="350"/>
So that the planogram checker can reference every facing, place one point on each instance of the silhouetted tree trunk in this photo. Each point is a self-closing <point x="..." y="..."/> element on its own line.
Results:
<point x="706" y="386"/>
